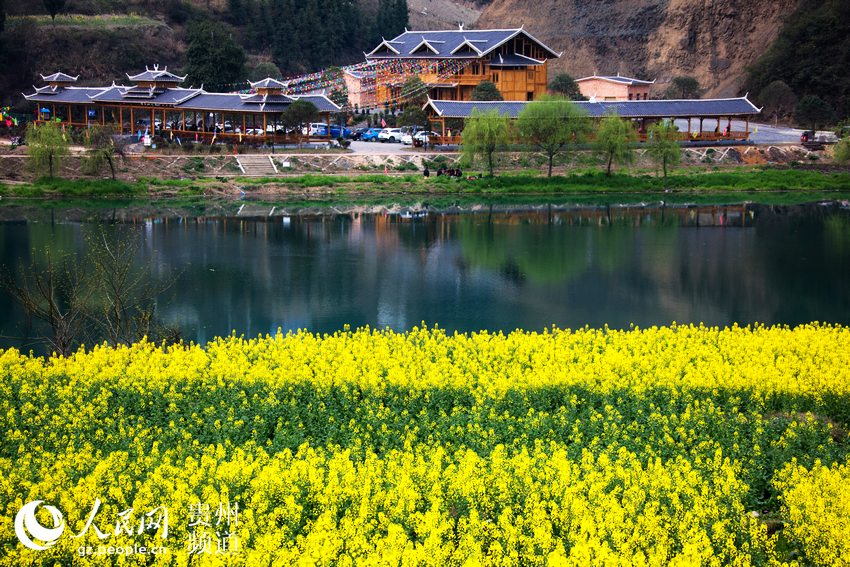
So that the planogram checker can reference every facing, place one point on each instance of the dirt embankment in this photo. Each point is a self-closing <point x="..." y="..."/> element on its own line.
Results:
<point x="712" y="40"/>
<point x="14" y="167"/>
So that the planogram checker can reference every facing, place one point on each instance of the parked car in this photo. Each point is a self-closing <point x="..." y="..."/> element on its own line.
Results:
<point x="370" y="135"/>
<point x="357" y="133"/>
<point x="391" y="135"/>
<point x="420" y="136"/>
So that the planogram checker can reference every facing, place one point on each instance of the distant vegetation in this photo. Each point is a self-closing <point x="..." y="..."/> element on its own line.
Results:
<point x="811" y="56"/>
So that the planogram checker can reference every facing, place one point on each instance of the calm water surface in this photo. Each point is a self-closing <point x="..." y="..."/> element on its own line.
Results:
<point x="484" y="270"/>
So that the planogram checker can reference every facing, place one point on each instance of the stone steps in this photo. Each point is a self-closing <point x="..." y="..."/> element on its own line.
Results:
<point x="257" y="165"/>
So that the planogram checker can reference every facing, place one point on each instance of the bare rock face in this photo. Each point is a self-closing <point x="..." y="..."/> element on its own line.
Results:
<point x="712" y="40"/>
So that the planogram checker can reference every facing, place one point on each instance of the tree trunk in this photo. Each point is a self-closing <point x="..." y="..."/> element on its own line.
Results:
<point x="490" y="163"/>
<point x="111" y="166"/>
<point x="551" y="158"/>
<point x="610" y="162"/>
<point x="50" y="164"/>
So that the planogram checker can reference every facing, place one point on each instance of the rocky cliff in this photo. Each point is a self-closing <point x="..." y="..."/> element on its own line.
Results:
<point x="712" y="40"/>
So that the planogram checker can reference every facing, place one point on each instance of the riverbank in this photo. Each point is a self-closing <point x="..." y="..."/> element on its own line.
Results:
<point x="815" y="182"/>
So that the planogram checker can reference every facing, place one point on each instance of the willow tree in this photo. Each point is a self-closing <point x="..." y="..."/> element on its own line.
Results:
<point x="483" y="135"/>
<point x="614" y="139"/>
<point x="552" y="125"/>
<point x="663" y="145"/>
<point x="46" y="146"/>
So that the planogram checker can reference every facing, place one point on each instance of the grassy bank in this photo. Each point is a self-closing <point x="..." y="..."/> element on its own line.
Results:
<point x="688" y="184"/>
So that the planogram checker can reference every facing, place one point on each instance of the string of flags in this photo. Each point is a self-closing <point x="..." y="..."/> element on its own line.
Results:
<point x="6" y="117"/>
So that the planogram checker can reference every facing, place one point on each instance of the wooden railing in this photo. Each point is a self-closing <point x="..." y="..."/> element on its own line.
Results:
<point x="683" y="136"/>
<point x="195" y="135"/>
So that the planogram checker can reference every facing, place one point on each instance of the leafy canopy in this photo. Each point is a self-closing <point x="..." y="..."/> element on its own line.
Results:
<point x="483" y="135"/>
<point x="613" y="142"/>
<point x="811" y="54"/>
<point x="486" y="91"/>
<point x="551" y="125"/>
<point x="684" y="87"/>
<point x="663" y="145"/>
<point x="814" y="112"/>
<point x="214" y="58"/>
<point x="563" y="84"/>
<point x="47" y="144"/>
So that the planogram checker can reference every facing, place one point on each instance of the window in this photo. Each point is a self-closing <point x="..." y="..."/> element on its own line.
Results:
<point x="529" y="96"/>
<point x="630" y="96"/>
<point x="495" y="77"/>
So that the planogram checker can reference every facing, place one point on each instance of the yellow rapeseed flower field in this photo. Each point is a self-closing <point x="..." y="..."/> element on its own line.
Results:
<point x="679" y="445"/>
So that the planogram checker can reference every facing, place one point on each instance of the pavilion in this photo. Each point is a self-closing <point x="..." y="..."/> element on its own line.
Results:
<point x="708" y="119"/>
<point x="156" y="102"/>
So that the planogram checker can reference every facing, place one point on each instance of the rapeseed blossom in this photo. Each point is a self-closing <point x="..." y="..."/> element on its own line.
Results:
<point x="680" y="445"/>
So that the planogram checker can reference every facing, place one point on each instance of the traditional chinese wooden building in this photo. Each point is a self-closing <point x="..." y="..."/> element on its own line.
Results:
<point x="452" y="63"/>
<point x="156" y="102"/>
<point x="698" y="119"/>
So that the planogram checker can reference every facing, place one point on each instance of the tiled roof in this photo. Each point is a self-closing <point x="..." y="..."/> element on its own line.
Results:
<point x="128" y="95"/>
<point x="266" y="99"/>
<point x="515" y="60"/>
<point x="617" y="79"/>
<point x="179" y="98"/>
<point x="267" y="83"/>
<point x="67" y="94"/>
<point x="626" y="109"/>
<point x="449" y="44"/>
<point x="157" y="74"/>
<point x="59" y="78"/>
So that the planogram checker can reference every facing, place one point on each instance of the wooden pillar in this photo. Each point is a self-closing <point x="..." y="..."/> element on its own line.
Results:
<point x="328" y="122"/>
<point x="243" y="124"/>
<point x="700" y="125"/>
<point x="132" y="121"/>
<point x="689" y="126"/>
<point x="747" y="126"/>
<point x="70" y="116"/>
<point x="265" y="126"/>
<point x="152" y="127"/>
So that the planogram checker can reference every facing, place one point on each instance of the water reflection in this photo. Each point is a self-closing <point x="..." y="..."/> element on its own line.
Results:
<point x="489" y="269"/>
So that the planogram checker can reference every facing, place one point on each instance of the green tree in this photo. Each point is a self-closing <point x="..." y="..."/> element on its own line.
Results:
<point x="263" y="70"/>
<point x="810" y="54"/>
<point x="484" y="134"/>
<point x="53" y="7"/>
<point x="842" y="151"/>
<point x="46" y="146"/>
<point x="563" y="84"/>
<point x="299" y="114"/>
<point x="103" y="149"/>
<point x="414" y="91"/>
<point x="214" y="58"/>
<point x="412" y="115"/>
<point x="814" y="112"/>
<point x="663" y="145"/>
<point x="613" y="142"/>
<point x="551" y="125"/>
<point x="778" y="100"/>
<point x="684" y="87"/>
<point x="486" y="91"/>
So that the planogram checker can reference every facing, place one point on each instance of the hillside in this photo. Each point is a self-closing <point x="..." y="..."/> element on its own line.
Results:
<point x="713" y="40"/>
